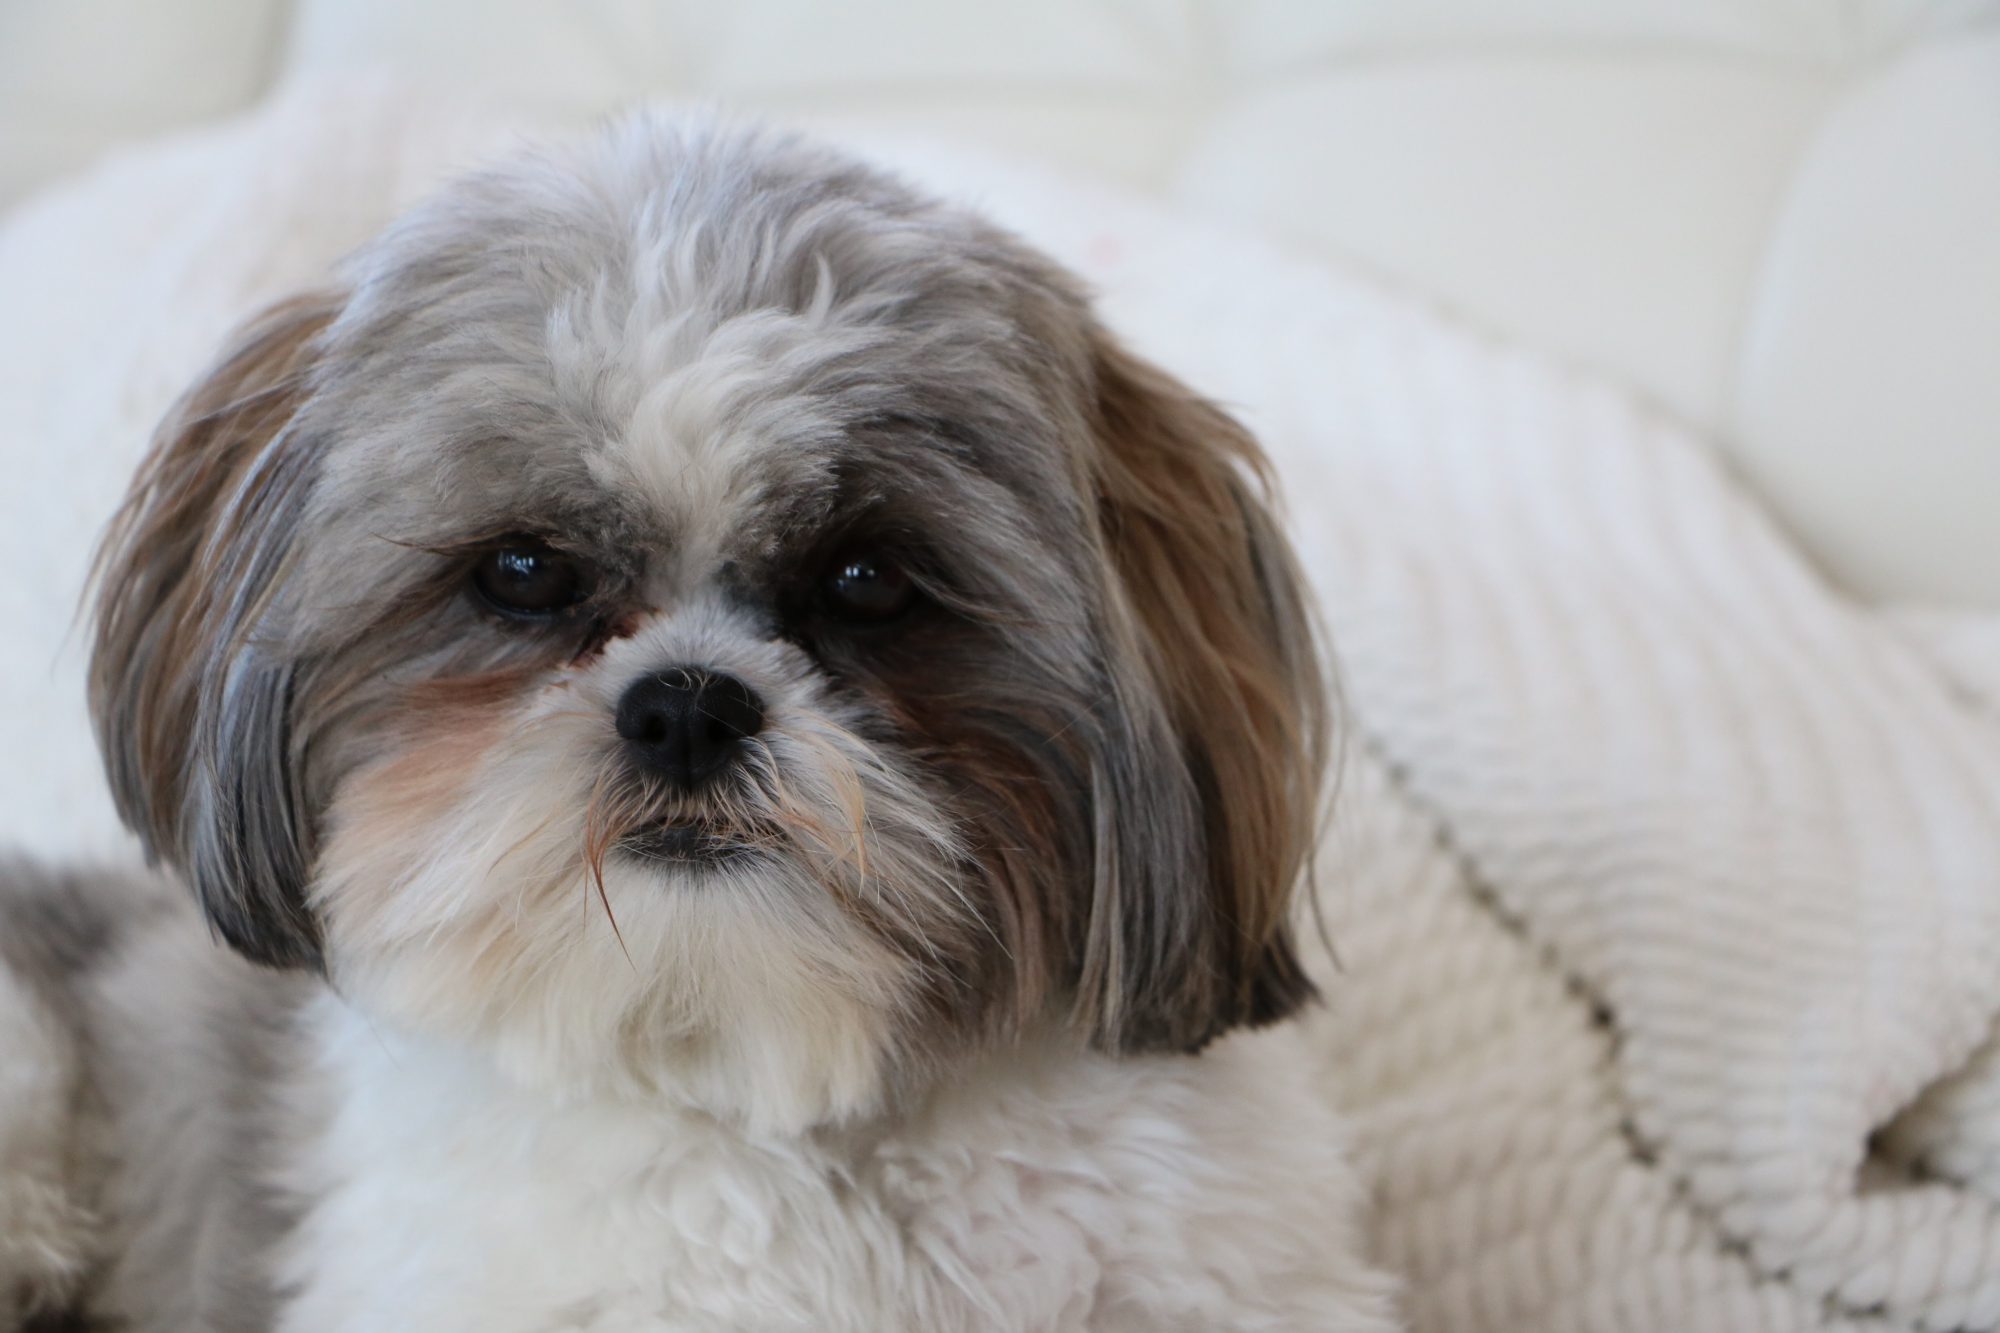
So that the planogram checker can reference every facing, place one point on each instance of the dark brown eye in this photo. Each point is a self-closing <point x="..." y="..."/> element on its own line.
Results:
<point x="867" y="588"/>
<point x="529" y="579"/>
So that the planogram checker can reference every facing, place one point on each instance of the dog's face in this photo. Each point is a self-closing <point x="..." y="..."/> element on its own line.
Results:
<point x="690" y="614"/>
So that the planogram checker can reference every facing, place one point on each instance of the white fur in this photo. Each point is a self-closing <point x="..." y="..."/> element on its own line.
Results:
<point x="753" y="997"/>
<point x="1043" y="1190"/>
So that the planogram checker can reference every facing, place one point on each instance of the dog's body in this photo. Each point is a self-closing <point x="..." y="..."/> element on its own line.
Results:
<point x="252" y="1154"/>
<point x="747" y="746"/>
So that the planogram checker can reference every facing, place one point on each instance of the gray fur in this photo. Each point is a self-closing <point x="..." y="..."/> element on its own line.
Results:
<point x="177" y="1046"/>
<point x="54" y="927"/>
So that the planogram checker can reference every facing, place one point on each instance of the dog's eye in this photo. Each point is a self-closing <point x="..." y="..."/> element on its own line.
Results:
<point x="528" y="578"/>
<point x="867" y="587"/>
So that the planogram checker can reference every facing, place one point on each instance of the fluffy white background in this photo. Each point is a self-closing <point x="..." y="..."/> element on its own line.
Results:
<point x="1665" y="878"/>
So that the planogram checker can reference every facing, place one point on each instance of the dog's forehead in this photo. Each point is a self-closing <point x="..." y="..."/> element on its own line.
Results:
<point x="713" y="406"/>
<point x="703" y="331"/>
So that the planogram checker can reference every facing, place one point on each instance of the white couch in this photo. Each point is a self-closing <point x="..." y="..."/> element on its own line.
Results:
<point x="1778" y="220"/>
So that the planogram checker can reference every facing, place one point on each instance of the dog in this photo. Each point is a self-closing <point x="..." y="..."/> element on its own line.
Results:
<point x="727" y="760"/>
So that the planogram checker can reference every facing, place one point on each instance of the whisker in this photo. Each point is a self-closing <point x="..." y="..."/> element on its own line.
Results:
<point x="598" y="830"/>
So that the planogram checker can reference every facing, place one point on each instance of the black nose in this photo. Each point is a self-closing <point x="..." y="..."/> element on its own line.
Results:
<point x="687" y="725"/>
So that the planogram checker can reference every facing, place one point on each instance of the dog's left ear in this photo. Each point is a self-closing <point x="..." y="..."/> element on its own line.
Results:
<point x="193" y="701"/>
<point x="1201" y="855"/>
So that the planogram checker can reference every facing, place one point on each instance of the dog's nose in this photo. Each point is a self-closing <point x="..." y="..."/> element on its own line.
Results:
<point x="686" y="724"/>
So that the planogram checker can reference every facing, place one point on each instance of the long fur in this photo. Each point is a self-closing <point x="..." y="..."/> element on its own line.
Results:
<point x="921" y="1051"/>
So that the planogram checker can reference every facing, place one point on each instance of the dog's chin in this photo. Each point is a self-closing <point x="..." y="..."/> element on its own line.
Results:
<point x="696" y="972"/>
<point x="692" y="963"/>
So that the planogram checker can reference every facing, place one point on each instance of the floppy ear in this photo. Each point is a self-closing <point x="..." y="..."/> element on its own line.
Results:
<point x="192" y="705"/>
<point x="1201" y="849"/>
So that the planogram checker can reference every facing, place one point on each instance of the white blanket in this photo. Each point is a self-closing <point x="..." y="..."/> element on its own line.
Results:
<point x="1666" y="884"/>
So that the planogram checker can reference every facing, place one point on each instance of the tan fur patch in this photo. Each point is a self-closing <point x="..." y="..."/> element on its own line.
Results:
<point x="441" y="738"/>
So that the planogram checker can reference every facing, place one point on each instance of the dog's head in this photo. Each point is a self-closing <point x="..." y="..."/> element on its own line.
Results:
<point x="689" y="611"/>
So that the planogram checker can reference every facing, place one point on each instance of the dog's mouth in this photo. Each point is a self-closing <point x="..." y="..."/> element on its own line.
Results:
<point x="690" y="841"/>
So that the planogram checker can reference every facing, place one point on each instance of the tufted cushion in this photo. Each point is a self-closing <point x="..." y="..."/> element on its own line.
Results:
<point x="1776" y="219"/>
<point x="1869" y="382"/>
<point x="80" y="76"/>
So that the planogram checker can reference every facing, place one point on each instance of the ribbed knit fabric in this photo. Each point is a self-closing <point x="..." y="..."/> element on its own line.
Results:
<point x="1668" y="887"/>
<point x="1665" y="885"/>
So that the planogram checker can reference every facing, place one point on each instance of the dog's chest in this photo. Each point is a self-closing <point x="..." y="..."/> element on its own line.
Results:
<point x="578" y="1226"/>
<point x="439" y="1202"/>
<point x="1045" y="1195"/>
<point x="484" y="1219"/>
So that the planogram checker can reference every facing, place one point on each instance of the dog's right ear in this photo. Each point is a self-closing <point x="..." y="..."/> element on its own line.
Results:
<point x="191" y="696"/>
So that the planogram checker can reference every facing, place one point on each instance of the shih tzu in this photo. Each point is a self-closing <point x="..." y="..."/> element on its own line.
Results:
<point x="748" y="758"/>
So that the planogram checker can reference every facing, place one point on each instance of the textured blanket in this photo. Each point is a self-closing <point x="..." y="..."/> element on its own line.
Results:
<point x="1665" y="884"/>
